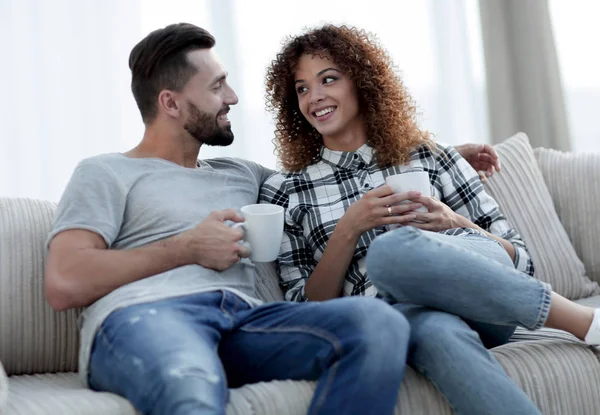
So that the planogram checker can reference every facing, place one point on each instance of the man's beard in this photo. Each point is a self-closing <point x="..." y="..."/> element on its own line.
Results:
<point x="205" y="128"/>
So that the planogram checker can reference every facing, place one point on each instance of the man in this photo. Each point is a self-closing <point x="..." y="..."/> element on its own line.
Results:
<point x="142" y="240"/>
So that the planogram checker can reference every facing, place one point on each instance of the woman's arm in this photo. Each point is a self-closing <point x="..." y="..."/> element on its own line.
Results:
<point x="465" y="203"/>
<point x="302" y="278"/>
<point x="441" y="218"/>
<point x="370" y="212"/>
<point x="327" y="279"/>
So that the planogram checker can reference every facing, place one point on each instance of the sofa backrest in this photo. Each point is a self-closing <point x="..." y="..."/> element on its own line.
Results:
<point x="33" y="337"/>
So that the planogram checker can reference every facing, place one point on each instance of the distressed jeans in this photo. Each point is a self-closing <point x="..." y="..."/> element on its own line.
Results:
<point x="461" y="295"/>
<point x="180" y="355"/>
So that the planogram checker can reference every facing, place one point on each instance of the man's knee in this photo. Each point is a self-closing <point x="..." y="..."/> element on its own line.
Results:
<point x="182" y="370"/>
<point x="184" y="385"/>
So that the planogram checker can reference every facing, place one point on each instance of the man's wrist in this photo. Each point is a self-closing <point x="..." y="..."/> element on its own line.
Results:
<point x="183" y="249"/>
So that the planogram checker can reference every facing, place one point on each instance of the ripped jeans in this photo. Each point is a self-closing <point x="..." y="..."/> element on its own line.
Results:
<point x="180" y="355"/>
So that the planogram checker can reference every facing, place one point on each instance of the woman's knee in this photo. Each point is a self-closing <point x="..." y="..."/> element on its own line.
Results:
<point x="377" y="325"/>
<point x="395" y="260"/>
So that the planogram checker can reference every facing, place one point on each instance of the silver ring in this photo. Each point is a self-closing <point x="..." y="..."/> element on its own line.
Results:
<point x="389" y="211"/>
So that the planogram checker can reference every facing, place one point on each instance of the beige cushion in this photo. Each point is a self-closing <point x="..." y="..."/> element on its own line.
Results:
<point x="573" y="180"/>
<point x="522" y="194"/>
<point x="590" y="301"/>
<point x="61" y="393"/>
<point x="561" y="378"/>
<point x="267" y="282"/>
<point x="33" y="338"/>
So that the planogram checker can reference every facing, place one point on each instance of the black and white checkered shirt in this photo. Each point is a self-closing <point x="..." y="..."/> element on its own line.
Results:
<point x="316" y="198"/>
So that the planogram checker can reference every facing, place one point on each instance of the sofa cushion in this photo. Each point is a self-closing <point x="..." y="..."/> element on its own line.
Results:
<point x="590" y="301"/>
<point x="523" y="197"/>
<point x="33" y="338"/>
<point x="560" y="377"/>
<point x="267" y="282"/>
<point x="521" y="334"/>
<point x="573" y="180"/>
<point x="61" y="393"/>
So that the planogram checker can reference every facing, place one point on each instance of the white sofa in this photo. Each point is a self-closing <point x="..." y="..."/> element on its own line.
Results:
<point x="38" y="347"/>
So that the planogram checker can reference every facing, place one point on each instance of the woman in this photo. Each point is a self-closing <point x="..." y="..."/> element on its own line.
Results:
<point x="462" y="277"/>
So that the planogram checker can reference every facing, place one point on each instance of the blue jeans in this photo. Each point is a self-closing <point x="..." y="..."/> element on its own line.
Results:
<point x="180" y="355"/>
<point x="460" y="295"/>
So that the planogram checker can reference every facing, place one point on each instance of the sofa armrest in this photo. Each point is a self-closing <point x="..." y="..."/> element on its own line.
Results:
<point x="3" y="388"/>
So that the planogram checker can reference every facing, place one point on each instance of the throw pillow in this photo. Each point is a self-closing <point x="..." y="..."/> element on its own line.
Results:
<point x="572" y="179"/>
<point x="524" y="198"/>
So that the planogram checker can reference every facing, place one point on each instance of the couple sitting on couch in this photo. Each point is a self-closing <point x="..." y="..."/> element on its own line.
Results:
<point x="143" y="240"/>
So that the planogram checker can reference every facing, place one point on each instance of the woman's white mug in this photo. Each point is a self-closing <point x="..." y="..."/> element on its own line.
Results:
<point x="263" y="224"/>
<point x="411" y="181"/>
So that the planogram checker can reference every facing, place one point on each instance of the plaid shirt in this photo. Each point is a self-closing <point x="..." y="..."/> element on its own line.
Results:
<point x="318" y="196"/>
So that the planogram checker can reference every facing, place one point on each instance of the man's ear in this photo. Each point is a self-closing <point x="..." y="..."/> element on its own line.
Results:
<point x="168" y="103"/>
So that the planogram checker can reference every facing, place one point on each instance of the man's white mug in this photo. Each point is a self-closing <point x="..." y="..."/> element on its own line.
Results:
<point x="411" y="181"/>
<point x="263" y="224"/>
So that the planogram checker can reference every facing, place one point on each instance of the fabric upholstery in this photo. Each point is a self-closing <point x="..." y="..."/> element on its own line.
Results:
<point x="572" y="179"/>
<point x="267" y="282"/>
<point x="61" y="393"/>
<point x="561" y="377"/>
<point x="590" y="301"/>
<point x="524" y="198"/>
<point x="33" y="338"/>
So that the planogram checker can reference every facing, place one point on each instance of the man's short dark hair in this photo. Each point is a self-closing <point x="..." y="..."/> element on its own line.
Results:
<point x="159" y="61"/>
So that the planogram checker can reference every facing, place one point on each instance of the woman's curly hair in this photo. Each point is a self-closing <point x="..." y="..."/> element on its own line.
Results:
<point x="385" y="104"/>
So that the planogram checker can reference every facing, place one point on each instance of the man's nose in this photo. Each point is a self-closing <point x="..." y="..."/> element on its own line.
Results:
<point x="232" y="97"/>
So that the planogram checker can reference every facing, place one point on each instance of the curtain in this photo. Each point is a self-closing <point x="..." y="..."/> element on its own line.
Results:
<point x="524" y="87"/>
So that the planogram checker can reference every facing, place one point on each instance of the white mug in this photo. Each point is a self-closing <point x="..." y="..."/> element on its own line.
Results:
<point x="263" y="224"/>
<point x="411" y="181"/>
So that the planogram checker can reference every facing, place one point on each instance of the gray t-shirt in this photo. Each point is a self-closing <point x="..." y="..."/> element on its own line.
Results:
<point x="133" y="202"/>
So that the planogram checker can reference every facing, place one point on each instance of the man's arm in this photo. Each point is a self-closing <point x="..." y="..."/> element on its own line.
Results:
<point x="482" y="157"/>
<point x="80" y="269"/>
